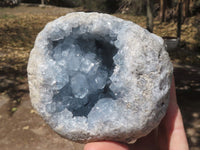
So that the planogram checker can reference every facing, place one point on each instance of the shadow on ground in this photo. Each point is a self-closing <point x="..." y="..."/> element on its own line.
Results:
<point x="14" y="84"/>
<point x="188" y="95"/>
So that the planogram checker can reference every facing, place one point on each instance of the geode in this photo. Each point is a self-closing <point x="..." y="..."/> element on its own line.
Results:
<point x="95" y="77"/>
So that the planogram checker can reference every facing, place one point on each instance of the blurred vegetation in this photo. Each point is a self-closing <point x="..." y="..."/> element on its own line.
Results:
<point x="134" y="7"/>
<point x="65" y="3"/>
<point x="195" y="7"/>
<point x="10" y="3"/>
<point x="109" y="6"/>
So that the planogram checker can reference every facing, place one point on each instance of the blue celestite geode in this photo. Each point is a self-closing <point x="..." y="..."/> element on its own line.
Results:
<point x="96" y="77"/>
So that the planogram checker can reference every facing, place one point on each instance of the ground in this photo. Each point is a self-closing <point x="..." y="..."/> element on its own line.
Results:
<point x="20" y="125"/>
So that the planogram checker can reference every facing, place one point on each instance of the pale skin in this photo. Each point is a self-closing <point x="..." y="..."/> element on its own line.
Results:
<point x="169" y="135"/>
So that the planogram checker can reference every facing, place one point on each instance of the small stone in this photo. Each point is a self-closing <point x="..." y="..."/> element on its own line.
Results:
<point x="25" y="128"/>
<point x="96" y="77"/>
<point x="32" y="111"/>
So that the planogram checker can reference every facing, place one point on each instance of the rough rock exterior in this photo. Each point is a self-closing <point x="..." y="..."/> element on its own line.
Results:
<point x="97" y="77"/>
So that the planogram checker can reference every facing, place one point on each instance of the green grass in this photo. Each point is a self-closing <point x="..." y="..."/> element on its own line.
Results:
<point x="7" y="16"/>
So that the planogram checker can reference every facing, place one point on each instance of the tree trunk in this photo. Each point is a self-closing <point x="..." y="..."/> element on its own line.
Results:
<point x="162" y="9"/>
<point x="179" y="18"/>
<point x="150" y="15"/>
<point x="84" y="2"/>
<point x="186" y="4"/>
<point x="42" y="2"/>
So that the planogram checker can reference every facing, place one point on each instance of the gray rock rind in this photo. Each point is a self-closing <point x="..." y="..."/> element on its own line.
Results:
<point x="140" y="79"/>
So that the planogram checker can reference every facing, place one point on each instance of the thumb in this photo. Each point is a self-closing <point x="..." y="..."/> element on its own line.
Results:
<point x="105" y="145"/>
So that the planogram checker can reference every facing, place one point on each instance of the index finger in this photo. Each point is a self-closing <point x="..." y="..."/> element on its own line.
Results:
<point x="105" y="145"/>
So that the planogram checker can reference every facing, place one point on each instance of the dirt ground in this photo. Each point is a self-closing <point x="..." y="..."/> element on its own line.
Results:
<point x="188" y="95"/>
<point x="20" y="126"/>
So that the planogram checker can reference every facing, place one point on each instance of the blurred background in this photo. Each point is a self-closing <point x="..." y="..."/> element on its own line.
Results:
<point x="177" y="21"/>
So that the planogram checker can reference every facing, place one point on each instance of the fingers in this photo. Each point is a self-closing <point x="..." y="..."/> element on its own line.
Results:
<point x="148" y="142"/>
<point x="173" y="100"/>
<point x="178" y="138"/>
<point x="172" y="108"/>
<point x="105" y="145"/>
<point x="171" y="130"/>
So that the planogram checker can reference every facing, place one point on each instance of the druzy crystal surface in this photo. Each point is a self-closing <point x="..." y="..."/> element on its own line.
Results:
<point x="97" y="77"/>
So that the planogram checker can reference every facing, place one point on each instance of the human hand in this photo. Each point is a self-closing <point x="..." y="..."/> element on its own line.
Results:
<point x="169" y="135"/>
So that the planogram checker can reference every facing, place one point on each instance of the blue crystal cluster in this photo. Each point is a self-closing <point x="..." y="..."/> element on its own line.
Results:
<point x="97" y="77"/>
<point x="86" y="63"/>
